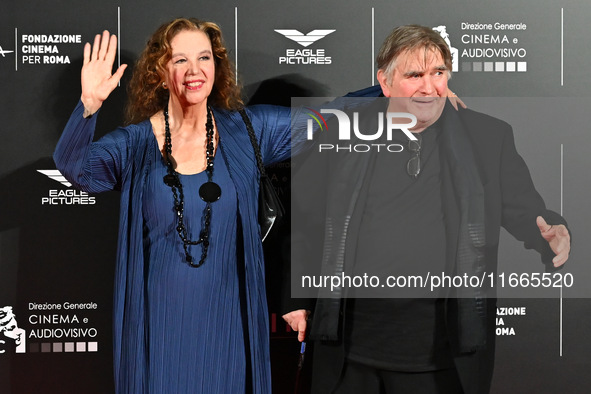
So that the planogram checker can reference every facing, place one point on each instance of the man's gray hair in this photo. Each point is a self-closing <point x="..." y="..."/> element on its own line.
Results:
<point x="410" y="38"/>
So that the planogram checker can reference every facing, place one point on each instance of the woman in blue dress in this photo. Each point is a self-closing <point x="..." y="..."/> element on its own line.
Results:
<point x="190" y="314"/>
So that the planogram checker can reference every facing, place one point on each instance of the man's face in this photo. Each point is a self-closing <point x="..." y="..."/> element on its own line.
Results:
<point x="417" y="85"/>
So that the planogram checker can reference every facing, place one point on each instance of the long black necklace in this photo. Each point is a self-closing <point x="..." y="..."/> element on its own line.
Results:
<point x="209" y="192"/>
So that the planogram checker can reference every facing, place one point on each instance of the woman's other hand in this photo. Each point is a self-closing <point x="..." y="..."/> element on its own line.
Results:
<point x="455" y="100"/>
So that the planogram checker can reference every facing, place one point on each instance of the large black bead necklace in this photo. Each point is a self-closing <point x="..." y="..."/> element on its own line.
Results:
<point x="209" y="192"/>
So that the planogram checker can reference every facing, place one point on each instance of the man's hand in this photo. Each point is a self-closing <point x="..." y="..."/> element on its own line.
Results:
<point x="558" y="238"/>
<point x="298" y="321"/>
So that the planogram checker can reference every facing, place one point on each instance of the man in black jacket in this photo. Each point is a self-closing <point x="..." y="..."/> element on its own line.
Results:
<point x="436" y="208"/>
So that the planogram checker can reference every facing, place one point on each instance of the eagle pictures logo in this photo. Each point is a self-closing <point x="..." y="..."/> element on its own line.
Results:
<point x="306" y="55"/>
<point x="62" y="196"/>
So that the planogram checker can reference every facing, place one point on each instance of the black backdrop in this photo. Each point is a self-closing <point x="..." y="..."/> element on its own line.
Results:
<point x="57" y="245"/>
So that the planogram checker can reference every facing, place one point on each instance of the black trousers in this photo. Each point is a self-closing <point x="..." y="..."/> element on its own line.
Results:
<point x="358" y="378"/>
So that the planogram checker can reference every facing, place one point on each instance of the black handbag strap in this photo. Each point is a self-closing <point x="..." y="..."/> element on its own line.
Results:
<point x="253" y="141"/>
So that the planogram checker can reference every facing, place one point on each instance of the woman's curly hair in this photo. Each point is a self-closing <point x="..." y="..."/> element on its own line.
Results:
<point x="147" y="96"/>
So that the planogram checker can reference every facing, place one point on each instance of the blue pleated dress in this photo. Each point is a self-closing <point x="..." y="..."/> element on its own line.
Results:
<point x="196" y="342"/>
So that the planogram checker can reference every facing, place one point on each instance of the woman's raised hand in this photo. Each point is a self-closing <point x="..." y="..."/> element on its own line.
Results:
<point x="97" y="80"/>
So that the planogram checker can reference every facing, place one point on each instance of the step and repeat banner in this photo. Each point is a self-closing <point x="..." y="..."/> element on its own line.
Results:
<point x="57" y="244"/>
